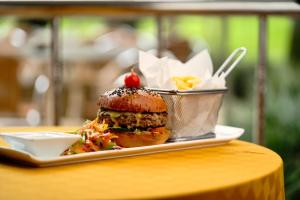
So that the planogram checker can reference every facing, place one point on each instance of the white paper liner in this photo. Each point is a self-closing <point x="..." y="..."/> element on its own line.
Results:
<point x="158" y="72"/>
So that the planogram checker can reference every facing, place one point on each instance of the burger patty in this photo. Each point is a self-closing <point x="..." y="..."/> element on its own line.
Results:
<point x="132" y="120"/>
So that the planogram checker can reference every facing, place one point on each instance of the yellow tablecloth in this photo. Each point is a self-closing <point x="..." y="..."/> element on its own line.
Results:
<point x="238" y="170"/>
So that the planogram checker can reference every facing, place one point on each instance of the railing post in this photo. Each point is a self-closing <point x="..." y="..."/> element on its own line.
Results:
<point x="56" y="73"/>
<point x="260" y="76"/>
<point x="160" y="40"/>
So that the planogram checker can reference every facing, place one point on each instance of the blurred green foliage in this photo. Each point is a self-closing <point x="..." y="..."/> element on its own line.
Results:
<point x="83" y="27"/>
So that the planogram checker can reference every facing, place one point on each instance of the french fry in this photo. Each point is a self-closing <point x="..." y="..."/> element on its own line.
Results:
<point x="186" y="82"/>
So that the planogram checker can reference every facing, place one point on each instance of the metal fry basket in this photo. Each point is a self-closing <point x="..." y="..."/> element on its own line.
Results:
<point x="192" y="113"/>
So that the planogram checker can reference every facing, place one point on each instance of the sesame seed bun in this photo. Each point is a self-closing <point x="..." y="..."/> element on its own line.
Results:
<point x="137" y="100"/>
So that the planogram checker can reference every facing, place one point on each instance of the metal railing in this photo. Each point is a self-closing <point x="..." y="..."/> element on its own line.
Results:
<point x="56" y="9"/>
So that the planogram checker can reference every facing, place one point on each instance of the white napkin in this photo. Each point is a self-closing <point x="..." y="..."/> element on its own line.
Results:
<point x="158" y="72"/>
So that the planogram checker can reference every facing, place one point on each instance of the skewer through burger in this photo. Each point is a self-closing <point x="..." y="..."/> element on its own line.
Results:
<point x="136" y="115"/>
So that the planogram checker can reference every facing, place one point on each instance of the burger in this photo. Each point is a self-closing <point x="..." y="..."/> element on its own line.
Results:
<point x="137" y="116"/>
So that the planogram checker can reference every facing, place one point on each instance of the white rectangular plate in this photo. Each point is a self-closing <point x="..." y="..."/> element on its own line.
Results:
<point x="224" y="134"/>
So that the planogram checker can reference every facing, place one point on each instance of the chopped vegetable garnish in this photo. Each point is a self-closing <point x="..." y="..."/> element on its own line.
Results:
<point x="94" y="137"/>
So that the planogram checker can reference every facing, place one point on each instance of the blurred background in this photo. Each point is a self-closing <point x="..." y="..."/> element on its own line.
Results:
<point x="96" y="51"/>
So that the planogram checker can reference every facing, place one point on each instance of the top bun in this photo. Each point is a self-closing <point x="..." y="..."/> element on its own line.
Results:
<point x="136" y="100"/>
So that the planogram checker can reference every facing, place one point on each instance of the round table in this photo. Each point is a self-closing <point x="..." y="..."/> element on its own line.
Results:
<point x="238" y="170"/>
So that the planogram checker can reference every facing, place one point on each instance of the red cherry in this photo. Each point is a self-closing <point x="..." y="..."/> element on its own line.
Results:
<point x="132" y="80"/>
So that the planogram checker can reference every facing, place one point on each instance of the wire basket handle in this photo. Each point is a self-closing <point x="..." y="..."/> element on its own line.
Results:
<point x="242" y="51"/>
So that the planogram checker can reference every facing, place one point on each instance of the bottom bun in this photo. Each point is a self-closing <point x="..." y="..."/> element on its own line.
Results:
<point x="154" y="136"/>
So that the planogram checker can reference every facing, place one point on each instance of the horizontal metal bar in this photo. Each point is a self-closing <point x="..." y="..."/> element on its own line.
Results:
<point x="139" y="7"/>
